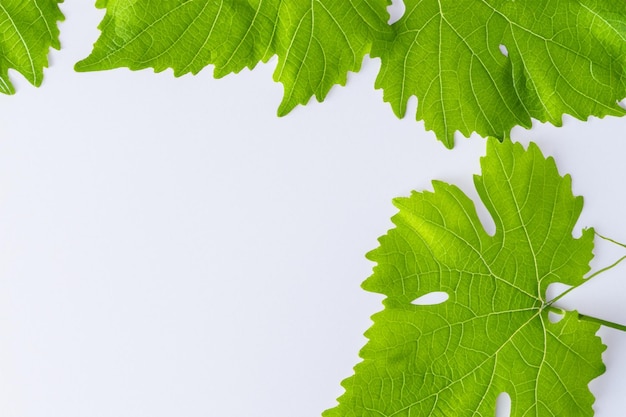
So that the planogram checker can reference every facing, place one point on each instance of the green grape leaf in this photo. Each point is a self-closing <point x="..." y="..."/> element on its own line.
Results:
<point x="317" y="42"/>
<point x="493" y="333"/>
<point x="480" y="67"/>
<point x="28" y="28"/>
<point x="488" y="66"/>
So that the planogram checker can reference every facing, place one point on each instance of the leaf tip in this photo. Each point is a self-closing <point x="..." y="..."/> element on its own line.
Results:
<point x="81" y="66"/>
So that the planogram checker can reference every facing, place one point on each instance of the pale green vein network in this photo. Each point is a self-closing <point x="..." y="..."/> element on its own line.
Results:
<point x="493" y="334"/>
<point x="565" y="57"/>
<point x="317" y="41"/>
<point x="28" y="28"/>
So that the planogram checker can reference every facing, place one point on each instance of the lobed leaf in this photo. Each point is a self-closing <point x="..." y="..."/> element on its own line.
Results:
<point x="28" y="28"/>
<point x="480" y="67"/>
<point x="317" y="42"/>
<point x="492" y="334"/>
<point x="490" y="65"/>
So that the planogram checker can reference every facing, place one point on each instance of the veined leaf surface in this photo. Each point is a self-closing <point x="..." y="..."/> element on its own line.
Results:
<point x="28" y="28"/>
<point x="492" y="335"/>
<point x="317" y="42"/>
<point x="490" y="65"/>
<point x="480" y="67"/>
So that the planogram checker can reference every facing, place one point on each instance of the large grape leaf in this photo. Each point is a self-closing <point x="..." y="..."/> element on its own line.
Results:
<point x="317" y="42"/>
<point x="486" y="66"/>
<point x="493" y="333"/>
<point x="474" y="66"/>
<point x="28" y="28"/>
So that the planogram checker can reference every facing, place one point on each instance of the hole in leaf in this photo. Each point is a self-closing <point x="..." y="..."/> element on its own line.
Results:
<point x="432" y="298"/>
<point x="395" y="10"/>
<point x="504" y="51"/>
<point x="503" y="405"/>
<point x="622" y="104"/>
<point x="555" y="317"/>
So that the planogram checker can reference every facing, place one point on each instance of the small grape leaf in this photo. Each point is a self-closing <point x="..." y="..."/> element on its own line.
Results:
<point x="493" y="334"/>
<point x="317" y="42"/>
<point x="486" y="66"/>
<point x="28" y="28"/>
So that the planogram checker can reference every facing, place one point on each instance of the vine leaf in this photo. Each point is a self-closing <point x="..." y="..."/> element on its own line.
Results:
<point x="492" y="334"/>
<point x="480" y="67"/>
<point x="317" y="42"/>
<point x="28" y="28"/>
<point x="490" y="65"/>
<point x="483" y="67"/>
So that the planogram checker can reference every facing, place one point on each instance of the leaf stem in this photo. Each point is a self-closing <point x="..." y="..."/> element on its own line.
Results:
<point x="592" y="319"/>
<point x="606" y="268"/>
<point x="564" y="293"/>
<point x="584" y="317"/>
<point x="602" y="322"/>
<point x="609" y="239"/>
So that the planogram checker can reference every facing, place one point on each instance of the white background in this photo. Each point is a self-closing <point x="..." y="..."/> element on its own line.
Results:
<point x="169" y="247"/>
